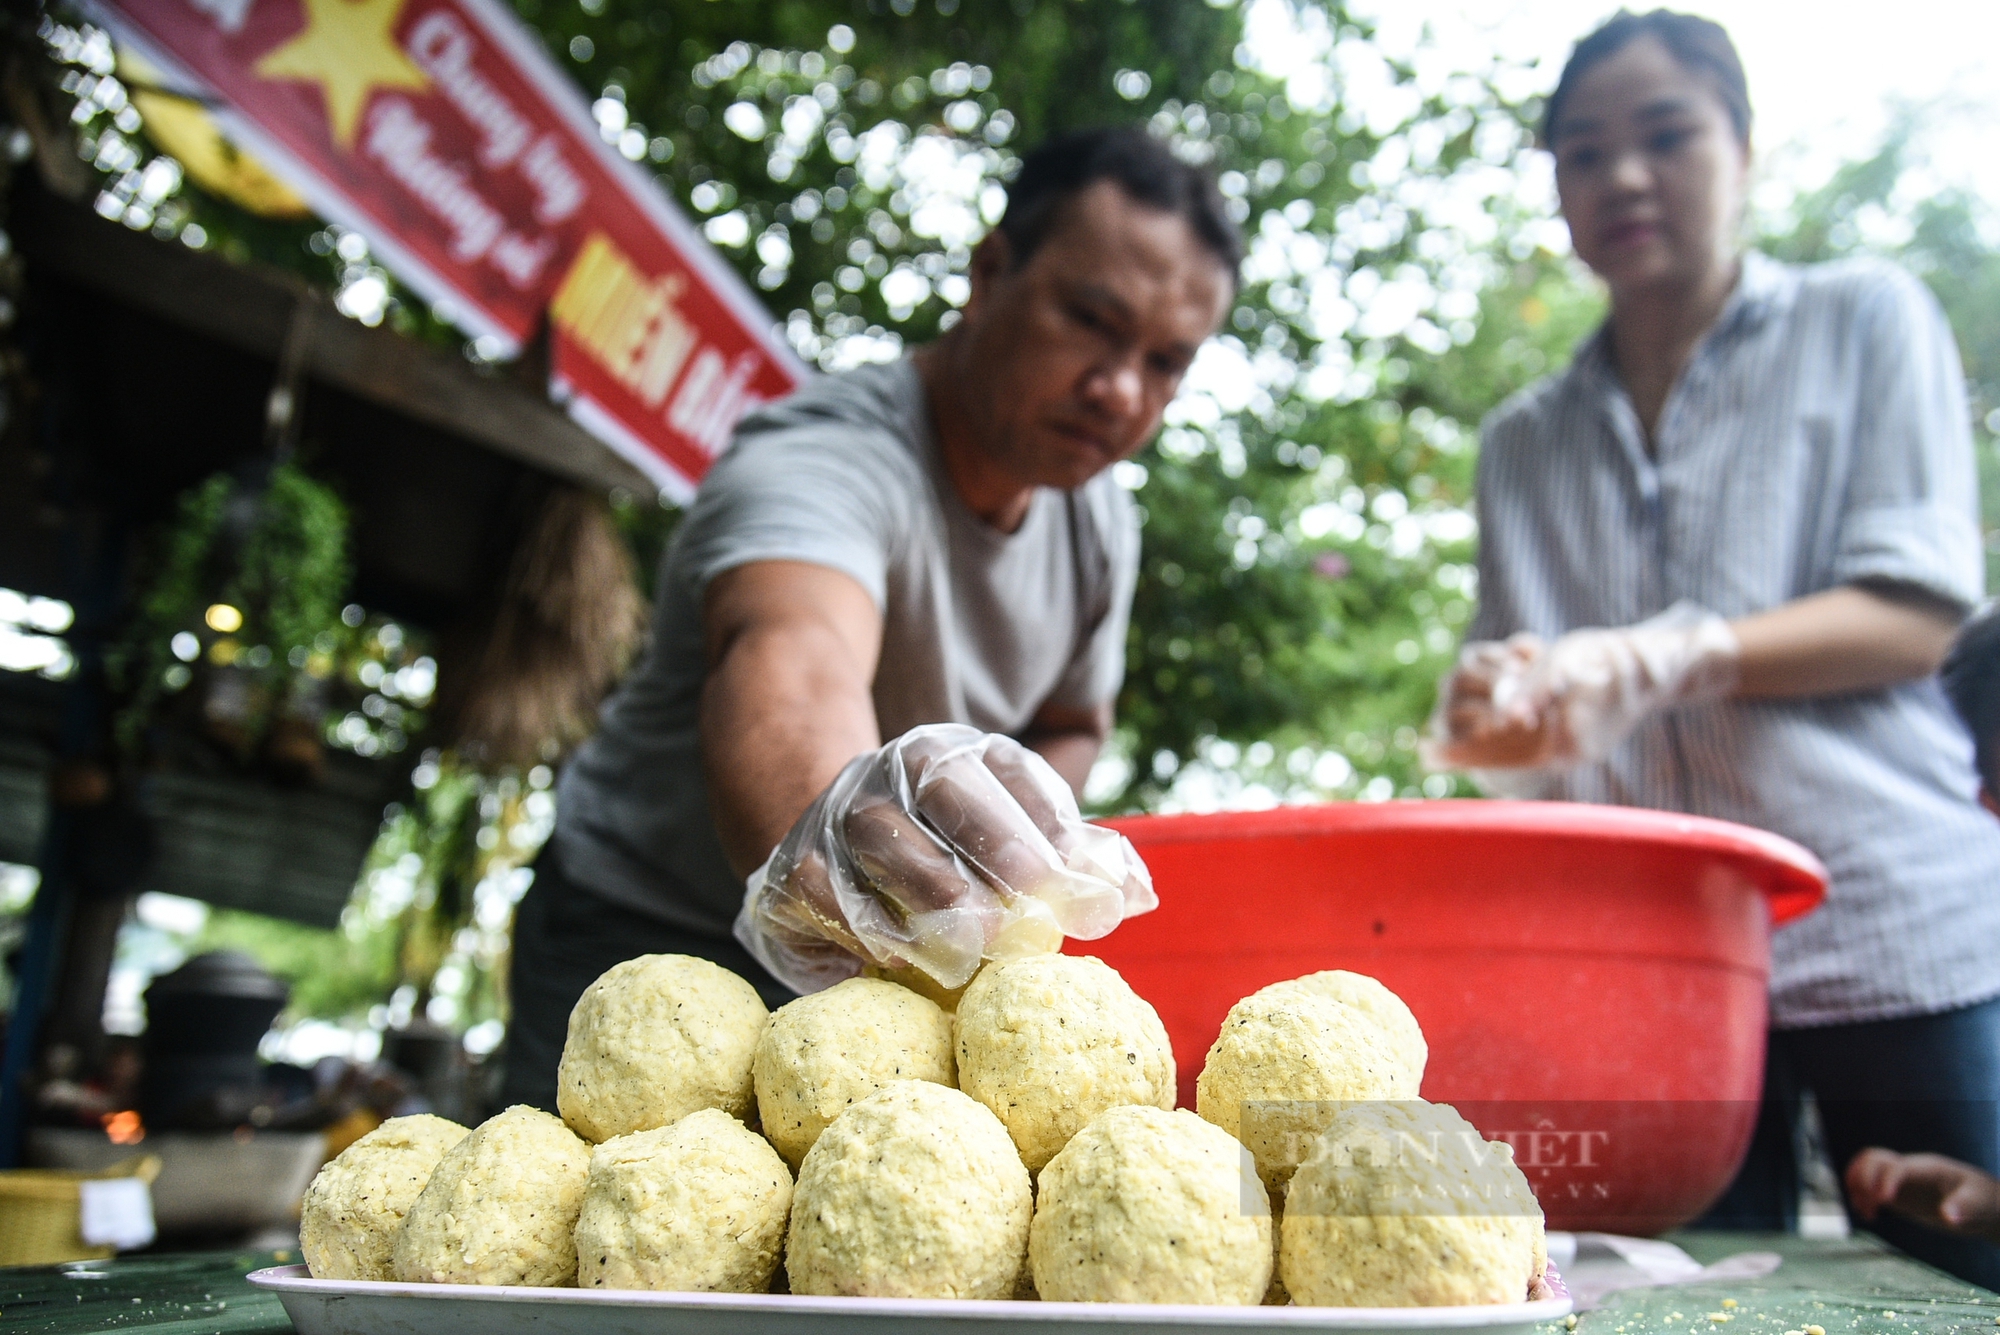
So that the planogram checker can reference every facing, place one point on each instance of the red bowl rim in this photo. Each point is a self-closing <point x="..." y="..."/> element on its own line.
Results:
<point x="1792" y="879"/>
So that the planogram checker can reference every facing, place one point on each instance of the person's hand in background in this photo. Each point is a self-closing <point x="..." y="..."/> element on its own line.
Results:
<point x="1524" y="704"/>
<point x="1471" y="728"/>
<point x="1929" y="1188"/>
<point x="1516" y="712"/>
<point x="943" y="848"/>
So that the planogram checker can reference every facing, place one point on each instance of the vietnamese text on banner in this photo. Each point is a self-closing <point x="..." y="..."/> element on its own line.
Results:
<point x="442" y="132"/>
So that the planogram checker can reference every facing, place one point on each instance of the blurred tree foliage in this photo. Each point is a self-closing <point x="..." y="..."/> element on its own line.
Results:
<point x="1308" y="544"/>
<point x="1307" y="547"/>
<point x="1308" y="541"/>
<point x="1886" y="205"/>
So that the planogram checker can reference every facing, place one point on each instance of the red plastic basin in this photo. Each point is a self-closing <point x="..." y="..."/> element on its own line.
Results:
<point x="1591" y="980"/>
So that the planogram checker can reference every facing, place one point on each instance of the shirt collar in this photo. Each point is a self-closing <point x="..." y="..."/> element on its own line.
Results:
<point x="1764" y="288"/>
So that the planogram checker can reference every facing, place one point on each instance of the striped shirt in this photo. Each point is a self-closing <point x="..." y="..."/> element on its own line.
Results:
<point x="1818" y="437"/>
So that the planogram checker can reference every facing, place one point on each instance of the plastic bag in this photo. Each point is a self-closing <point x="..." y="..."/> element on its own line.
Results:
<point x="1474" y="722"/>
<point x="1593" y="688"/>
<point x="944" y="848"/>
<point x="1518" y="712"/>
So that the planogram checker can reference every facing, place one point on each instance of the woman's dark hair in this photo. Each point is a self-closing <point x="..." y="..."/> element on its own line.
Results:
<point x="1972" y="680"/>
<point x="1142" y="166"/>
<point x="1700" y="46"/>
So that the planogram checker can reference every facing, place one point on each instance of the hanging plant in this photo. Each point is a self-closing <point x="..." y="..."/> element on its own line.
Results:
<point x="253" y="571"/>
<point x="292" y="574"/>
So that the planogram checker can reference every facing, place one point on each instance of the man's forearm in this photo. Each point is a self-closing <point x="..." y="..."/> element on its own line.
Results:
<point x="1840" y="641"/>
<point x="779" y="719"/>
<point x="787" y="702"/>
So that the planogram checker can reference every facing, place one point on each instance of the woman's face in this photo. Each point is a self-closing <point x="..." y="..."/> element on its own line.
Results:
<point x="1650" y="171"/>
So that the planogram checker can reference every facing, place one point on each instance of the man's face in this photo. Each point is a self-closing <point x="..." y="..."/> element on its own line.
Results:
<point x="1074" y="355"/>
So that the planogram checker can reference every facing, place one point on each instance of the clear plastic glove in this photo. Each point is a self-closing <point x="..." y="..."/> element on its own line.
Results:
<point x="1527" y="705"/>
<point x="944" y="848"/>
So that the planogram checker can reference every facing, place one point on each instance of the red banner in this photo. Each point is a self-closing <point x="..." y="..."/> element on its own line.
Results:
<point x="440" y="131"/>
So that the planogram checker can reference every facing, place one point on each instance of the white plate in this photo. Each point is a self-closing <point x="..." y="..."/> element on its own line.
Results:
<point x="358" y="1307"/>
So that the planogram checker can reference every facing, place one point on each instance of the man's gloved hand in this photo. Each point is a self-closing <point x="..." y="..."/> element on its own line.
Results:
<point x="945" y="847"/>
<point x="1525" y="704"/>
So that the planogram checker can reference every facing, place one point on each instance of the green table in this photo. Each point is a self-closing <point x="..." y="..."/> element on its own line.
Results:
<point x="1854" y="1285"/>
<point x="1848" y="1287"/>
<point x="200" y="1293"/>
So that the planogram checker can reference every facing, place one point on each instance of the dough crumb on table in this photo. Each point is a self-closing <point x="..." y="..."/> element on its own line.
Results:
<point x="699" y="1206"/>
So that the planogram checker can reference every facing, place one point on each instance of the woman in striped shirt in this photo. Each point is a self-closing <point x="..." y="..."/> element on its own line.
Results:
<point x="1722" y="555"/>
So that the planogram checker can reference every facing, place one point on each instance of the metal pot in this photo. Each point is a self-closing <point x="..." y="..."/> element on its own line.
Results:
<point x="204" y="1021"/>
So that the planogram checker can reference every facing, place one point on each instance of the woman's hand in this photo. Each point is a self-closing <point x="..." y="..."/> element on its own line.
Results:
<point x="1473" y="726"/>
<point x="1523" y="705"/>
<point x="1929" y="1188"/>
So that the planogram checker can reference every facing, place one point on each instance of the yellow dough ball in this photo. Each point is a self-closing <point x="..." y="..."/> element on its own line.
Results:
<point x="655" y="1039"/>
<point x="697" y="1206"/>
<point x="914" y="1192"/>
<point x="357" y="1201"/>
<point x="500" y="1207"/>
<point x="1050" y="1042"/>
<point x="1371" y="998"/>
<point x="1283" y="1065"/>
<point x="1407" y="1205"/>
<point x="825" y="1052"/>
<point x="1149" y="1206"/>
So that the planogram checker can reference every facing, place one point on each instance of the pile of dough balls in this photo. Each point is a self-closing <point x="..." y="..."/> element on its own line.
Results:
<point x="824" y="1053"/>
<point x="1149" y="1206"/>
<point x="914" y="1192"/>
<point x="1051" y="1041"/>
<point x="1407" y="1205"/>
<point x="1025" y="1145"/>
<point x="354" y="1207"/>
<point x="655" y="1039"/>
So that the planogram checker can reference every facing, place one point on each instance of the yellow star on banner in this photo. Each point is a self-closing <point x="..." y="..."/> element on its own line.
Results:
<point x="348" y="50"/>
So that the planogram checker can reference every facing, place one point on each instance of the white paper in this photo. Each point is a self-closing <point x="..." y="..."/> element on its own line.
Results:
<point x="1595" y="1265"/>
<point x="117" y="1212"/>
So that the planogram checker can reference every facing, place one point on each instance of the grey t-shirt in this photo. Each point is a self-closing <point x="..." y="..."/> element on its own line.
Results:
<point x="978" y="626"/>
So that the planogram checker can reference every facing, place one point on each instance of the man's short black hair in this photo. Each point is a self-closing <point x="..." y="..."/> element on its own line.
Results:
<point x="1141" y="165"/>
<point x="1972" y="679"/>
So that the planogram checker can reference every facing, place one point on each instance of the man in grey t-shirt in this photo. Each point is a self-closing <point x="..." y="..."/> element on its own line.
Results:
<point x="933" y="541"/>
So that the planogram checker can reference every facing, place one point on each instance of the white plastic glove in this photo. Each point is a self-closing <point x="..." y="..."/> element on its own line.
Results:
<point x="946" y="847"/>
<point x="1527" y="705"/>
